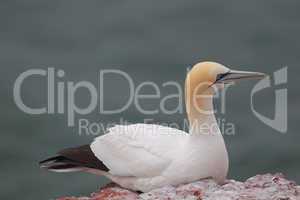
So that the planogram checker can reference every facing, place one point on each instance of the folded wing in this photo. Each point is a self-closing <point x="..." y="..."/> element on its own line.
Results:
<point x="139" y="149"/>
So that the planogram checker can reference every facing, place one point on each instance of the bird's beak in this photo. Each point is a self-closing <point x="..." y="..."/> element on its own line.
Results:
<point x="235" y="75"/>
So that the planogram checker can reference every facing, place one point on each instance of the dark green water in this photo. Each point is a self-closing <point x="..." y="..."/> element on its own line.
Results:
<point x="152" y="41"/>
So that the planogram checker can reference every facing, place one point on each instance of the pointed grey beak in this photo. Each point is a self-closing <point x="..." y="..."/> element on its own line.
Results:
<point x="235" y="75"/>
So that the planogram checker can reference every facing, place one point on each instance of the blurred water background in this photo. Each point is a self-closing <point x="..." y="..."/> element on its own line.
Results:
<point x="151" y="41"/>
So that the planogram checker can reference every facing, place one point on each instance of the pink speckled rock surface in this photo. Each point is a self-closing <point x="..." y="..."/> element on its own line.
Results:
<point x="259" y="187"/>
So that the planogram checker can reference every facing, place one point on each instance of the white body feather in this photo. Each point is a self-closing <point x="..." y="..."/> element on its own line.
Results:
<point x="146" y="156"/>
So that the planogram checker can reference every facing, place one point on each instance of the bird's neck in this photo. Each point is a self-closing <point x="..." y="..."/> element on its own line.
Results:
<point x="201" y="116"/>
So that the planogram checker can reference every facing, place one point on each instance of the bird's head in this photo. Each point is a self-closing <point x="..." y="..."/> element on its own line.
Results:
<point x="204" y="80"/>
<point x="206" y="77"/>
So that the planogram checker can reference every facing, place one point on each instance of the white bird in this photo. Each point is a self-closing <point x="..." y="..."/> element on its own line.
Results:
<point x="143" y="157"/>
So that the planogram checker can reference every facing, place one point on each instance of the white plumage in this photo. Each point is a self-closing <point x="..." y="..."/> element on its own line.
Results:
<point x="147" y="146"/>
<point x="153" y="155"/>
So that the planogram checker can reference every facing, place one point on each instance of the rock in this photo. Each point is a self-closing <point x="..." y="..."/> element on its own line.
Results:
<point x="259" y="187"/>
<point x="110" y="191"/>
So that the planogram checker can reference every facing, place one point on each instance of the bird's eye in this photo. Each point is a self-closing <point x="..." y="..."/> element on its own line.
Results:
<point x="220" y="76"/>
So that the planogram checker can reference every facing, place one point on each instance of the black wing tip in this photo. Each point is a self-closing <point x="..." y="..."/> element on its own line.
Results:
<point x="49" y="162"/>
<point x="81" y="156"/>
<point x="59" y="164"/>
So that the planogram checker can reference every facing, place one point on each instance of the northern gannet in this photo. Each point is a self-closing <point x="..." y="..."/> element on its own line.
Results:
<point x="143" y="157"/>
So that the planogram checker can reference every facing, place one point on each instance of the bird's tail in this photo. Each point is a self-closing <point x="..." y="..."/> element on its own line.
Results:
<point x="74" y="159"/>
<point x="60" y="164"/>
